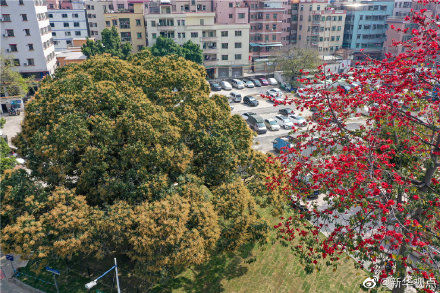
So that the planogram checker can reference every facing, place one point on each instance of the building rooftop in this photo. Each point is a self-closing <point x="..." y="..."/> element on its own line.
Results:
<point x="71" y="55"/>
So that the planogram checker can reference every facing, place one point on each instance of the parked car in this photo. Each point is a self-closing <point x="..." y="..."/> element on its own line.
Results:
<point x="276" y="91"/>
<point x="285" y="111"/>
<point x="226" y="85"/>
<point x="306" y="185"/>
<point x="215" y="86"/>
<point x="272" y="124"/>
<point x="248" y="114"/>
<point x="272" y="81"/>
<point x="320" y="118"/>
<point x="238" y="84"/>
<point x="236" y="97"/>
<point x="287" y="87"/>
<point x="250" y="100"/>
<point x="264" y="81"/>
<point x="281" y="144"/>
<point x="298" y="120"/>
<point x="256" y="82"/>
<point x="284" y="121"/>
<point x="248" y="83"/>
<point x="256" y="123"/>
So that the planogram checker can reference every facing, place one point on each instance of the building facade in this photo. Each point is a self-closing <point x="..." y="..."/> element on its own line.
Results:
<point x="225" y="46"/>
<point x="26" y="37"/>
<point x="130" y="25"/>
<point x="95" y="17"/>
<point x="320" y="26"/>
<point x="68" y="24"/>
<point x="366" y="26"/>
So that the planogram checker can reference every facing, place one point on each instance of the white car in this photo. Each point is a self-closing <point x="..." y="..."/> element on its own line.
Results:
<point x="271" y="124"/>
<point x="298" y="120"/>
<point x="284" y="121"/>
<point x="226" y="85"/>
<point x="276" y="90"/>
<point x="238" y="84"/>
<point x="272" y="81"/>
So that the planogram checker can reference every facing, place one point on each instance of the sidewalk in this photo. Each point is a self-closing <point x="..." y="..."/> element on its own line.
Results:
<point x="7" y="282"/>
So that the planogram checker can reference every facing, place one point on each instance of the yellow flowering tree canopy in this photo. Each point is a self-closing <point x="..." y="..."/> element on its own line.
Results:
<point x="132" y="157"/>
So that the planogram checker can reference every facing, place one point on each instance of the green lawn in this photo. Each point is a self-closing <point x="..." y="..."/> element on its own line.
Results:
<point x="270" y="268"/>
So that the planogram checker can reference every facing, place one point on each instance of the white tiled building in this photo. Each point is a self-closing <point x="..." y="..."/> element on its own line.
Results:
<point x="68" y="24"/>
<point x="95" y="17"/>
<point x="26" y="36"/>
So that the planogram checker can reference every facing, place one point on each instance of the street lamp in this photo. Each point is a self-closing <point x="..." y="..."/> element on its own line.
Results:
<point x="93" y="283"/>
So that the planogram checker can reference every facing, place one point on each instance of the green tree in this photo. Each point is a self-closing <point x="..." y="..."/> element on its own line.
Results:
<point x="110" y="44"/>
<point x="6" y="162"/>
<point x="12" y="83"/>
<point x="291" y="60"/>
<point x="189" y="50"/>
<point x="192" y="52"/>
<point x="145" y="155"/>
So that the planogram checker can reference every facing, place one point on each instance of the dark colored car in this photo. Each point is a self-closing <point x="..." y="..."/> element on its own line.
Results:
<point x="251" y="101"/>
<point x="256" y="82"/>
<point x="264" y="81"/>
<point x="285" y="111"/>
<point x="307" y="185"/>
<point x="215" y="86"/>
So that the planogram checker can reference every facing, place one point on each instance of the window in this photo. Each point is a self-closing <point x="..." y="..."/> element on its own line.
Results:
<point x="224" y="33"/>
<point x="126" y="36"/>
<point x="13" y="47"/>
<point x="77" y="33"/>
<point x="139" y="35"/>
<point x="337" y="38"/>
<point x="237" y="56"/>
<point x="24" y="17"/>
<point x="16" y="62"/>
<point x="237" y="45"/>
<point x="21" y="2"/>
<point x="153" y="23"/>
<point x="10" y="33"/>
<point x="202" y="21"/>
<point x="31" y="47"/>
<point x="64" y="15"/>
<point x="52" y="24"/>
<point x="274" y="26"/>
<point x="274" y="16"/>
<point x="76" y="24"/>
<point x="54" y="34"/>
<point x="274" y="37"/>
<point x="224" y="57"/>
<point x="224" y="45"/>
<point x="230" y="15"/>
<point x="154" y="36"/>
<point x="115" y="22"/>
<point x="238" y="33"/>
<point x="138" y="22"/>
<point x="50" y="15"/>
<point x="67" y="34"/>
<point x="3" y="3"/>
<point x="231" y="4"/>
<point x="75" y="15"/>
<point x="267" y="16"/>
<point x="66" y="24"/>
<point x="194" y="35"/>
<point x="107" y="23"/>
<point x="6" y="17"/>
<point x="120" y="6"/>
<point x="124" y="23"/>
<point x="339" y="28"/>
<point x="27" y="32"/>
<point x="241" y="15"/>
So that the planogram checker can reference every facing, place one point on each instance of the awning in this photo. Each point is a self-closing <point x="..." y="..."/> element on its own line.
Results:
<point x="266" y="45"/>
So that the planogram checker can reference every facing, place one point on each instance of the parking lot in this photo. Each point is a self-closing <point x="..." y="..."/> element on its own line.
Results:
<point x="265" y="109"/>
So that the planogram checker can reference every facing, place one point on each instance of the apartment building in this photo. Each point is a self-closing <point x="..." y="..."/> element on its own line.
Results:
<point x="365" y="27"/>
<point x="68" y="24"/>
<point x="268" y="27"/>
<point x="320" y="26"/>
<point x="129" y="23"/>
<point x="26" y="37"/>
<point x="95" y="17"/>
<point x="225" y="46"/>
<point x="402" y="8"/>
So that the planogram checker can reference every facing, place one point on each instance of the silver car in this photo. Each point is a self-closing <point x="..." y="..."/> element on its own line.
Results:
<point x="226" y="85"/>
<point x="272" y="124"/>
<point x="284" y="121"/>
<point x="238" y="84"/>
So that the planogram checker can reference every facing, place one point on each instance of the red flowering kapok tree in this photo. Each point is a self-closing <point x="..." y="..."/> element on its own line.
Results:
<point x="372" y="153"/>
